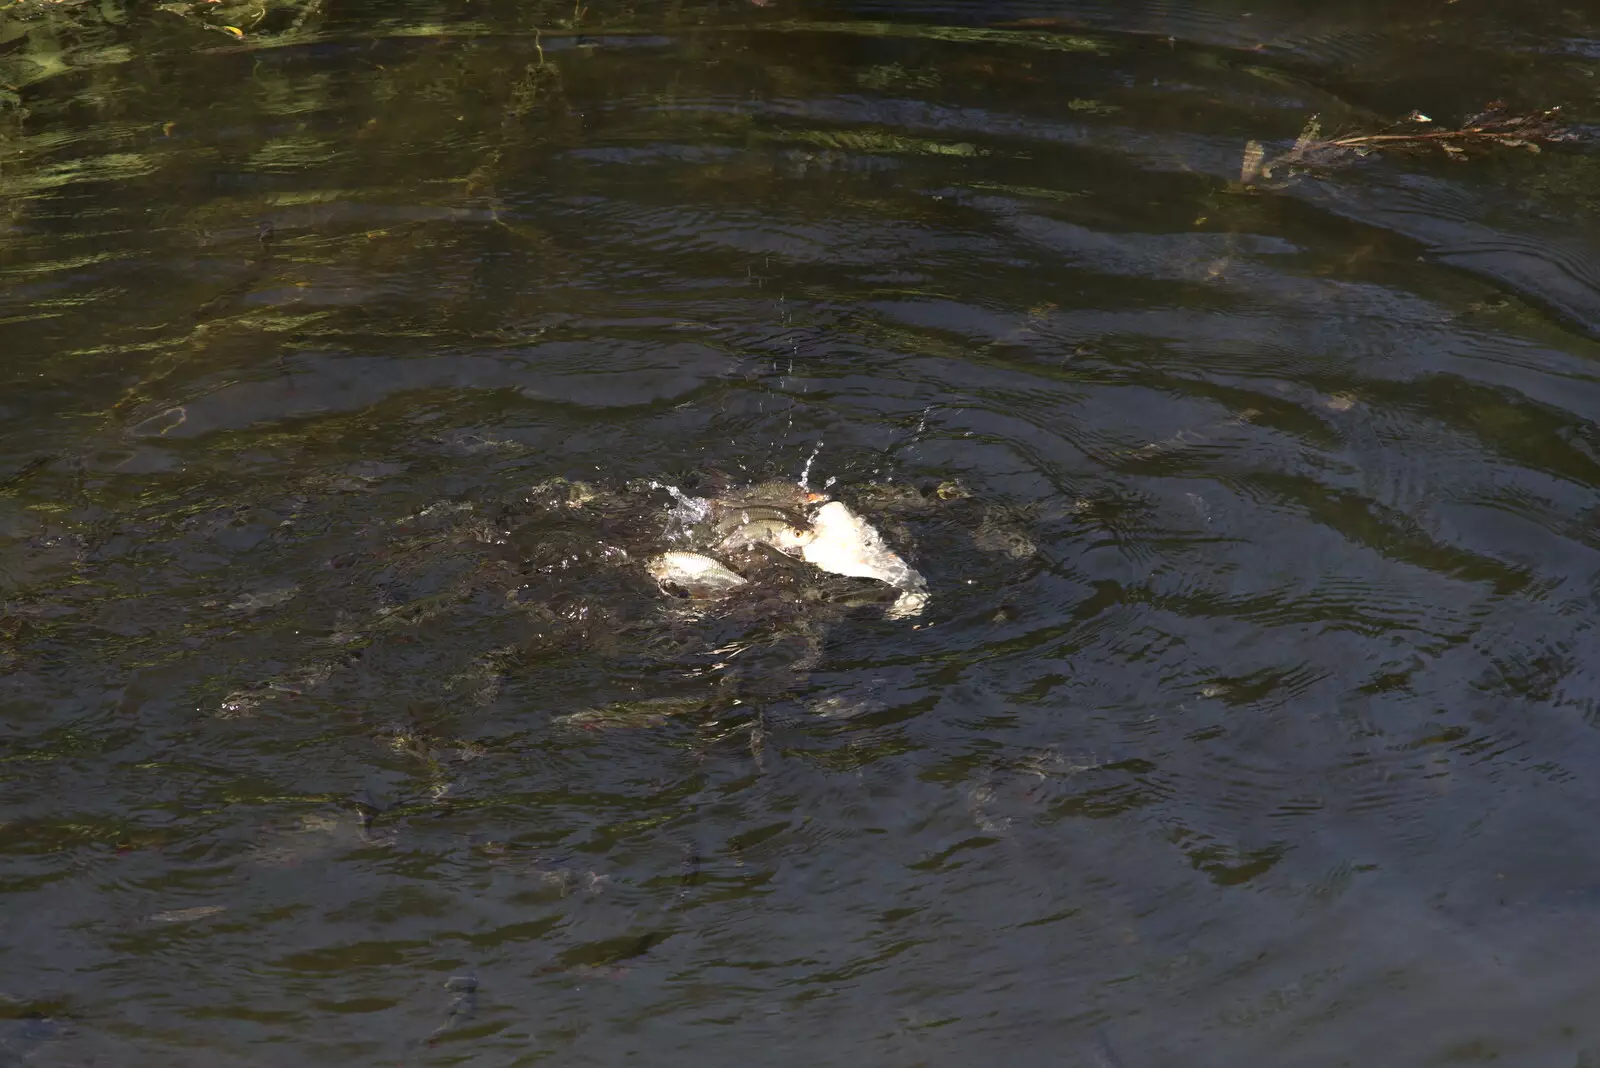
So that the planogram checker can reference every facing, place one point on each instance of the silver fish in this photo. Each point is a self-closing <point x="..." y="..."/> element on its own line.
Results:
<point x="693" y="571"/>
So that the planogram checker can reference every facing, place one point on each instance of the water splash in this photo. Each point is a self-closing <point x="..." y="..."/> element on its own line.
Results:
<point x="685" y="513"/>
<point x="805" y="472"/>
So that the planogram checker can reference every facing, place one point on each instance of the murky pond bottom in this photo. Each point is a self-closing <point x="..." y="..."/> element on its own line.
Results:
<point x="1250" y="715"/>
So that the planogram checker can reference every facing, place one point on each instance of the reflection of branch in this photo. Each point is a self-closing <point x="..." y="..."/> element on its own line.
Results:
<point x="1493" y="128"/>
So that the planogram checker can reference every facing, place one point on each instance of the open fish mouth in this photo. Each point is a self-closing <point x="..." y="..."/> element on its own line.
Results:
<point x="843" y="543"/>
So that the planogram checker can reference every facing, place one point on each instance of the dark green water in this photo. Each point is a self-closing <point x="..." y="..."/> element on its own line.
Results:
<point x="1253" y="718"/>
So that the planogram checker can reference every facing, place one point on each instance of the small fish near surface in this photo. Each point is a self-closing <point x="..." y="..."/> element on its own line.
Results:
<point x="771" y="513"/>
<point x="694" y="573"/>
<point x="779" y="530"/>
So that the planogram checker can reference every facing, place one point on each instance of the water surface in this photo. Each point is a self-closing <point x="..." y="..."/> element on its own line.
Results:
<point x="1252" y="718"/>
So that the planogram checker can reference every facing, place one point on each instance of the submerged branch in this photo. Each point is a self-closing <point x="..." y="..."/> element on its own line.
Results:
<point x="1493" y="128"/>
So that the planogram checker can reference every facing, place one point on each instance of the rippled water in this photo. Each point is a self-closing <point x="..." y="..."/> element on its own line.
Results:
<point x="1253" y="715"/>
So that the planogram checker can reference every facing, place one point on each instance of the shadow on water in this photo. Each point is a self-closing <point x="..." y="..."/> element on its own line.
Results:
<point x="1251" y="717"/>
